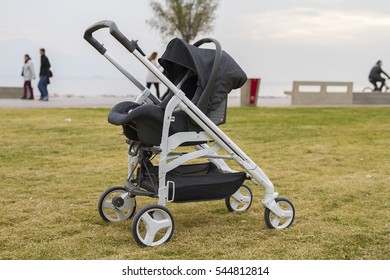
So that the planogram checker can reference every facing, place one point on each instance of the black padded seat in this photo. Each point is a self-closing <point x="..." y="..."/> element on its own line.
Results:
<point x="119" y="114"/>
<point x="144" y="123"/>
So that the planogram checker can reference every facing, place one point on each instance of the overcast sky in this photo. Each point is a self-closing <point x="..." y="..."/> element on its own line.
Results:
<point x="278" y="40"/>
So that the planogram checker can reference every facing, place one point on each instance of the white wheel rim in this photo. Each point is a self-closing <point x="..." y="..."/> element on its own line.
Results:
<point x="117" y="214"/>
<point x="154" y="227"/>
<point x="241" y="199"/>
<point x="287" y="216"/>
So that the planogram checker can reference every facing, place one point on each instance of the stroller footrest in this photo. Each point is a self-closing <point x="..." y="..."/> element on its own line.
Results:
<point x="136" y="191"/>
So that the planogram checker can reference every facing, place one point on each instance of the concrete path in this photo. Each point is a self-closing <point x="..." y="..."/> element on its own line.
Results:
<point x="109" y="102"/>
<point x="63" y="102"/>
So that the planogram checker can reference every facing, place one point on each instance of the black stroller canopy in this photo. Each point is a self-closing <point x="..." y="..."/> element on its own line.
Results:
<point x="180" y="56"/>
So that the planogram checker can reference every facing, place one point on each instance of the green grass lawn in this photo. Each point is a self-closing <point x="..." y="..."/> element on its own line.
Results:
<point x="332" y="163"/>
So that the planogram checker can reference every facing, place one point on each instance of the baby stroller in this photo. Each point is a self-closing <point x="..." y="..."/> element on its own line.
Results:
<point x="198" y="81"/>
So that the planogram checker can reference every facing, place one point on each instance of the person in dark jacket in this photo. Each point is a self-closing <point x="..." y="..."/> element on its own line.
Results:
<point x="44" y="76"/>
<point x="375" y="76"/>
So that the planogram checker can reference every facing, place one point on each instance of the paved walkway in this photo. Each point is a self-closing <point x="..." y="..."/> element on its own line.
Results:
<point x="62" y="102"/>
<point x="109" y="102"/>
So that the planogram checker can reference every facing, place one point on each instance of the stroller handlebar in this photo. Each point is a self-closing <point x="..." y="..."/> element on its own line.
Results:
<point x="114" y="31"/>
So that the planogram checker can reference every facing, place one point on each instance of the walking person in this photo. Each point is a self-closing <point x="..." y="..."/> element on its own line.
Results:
<point x="44" y="76"/>
<point x="375" y="76"/>
<point x="28" y="74"/>
<point x="150" y="77"/>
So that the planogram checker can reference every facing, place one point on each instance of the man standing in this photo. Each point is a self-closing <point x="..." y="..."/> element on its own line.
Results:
<point x="375" y="76"/>
<point x="44" y="76"/>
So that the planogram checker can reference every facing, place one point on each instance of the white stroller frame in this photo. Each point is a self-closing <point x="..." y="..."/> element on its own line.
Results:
<point x="278" y="217"/>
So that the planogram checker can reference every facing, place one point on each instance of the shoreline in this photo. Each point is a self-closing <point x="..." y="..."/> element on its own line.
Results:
<point x="70" y="101"/>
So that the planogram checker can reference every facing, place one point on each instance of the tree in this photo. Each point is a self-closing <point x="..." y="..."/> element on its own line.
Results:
<point x="183" y="18"/>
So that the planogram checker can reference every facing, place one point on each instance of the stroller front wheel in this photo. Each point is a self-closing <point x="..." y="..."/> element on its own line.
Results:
<point x="153" y="225"/>
<point x="241" y="200"/>
<point x="116" y="205"/>
<point x="275" y="222"/>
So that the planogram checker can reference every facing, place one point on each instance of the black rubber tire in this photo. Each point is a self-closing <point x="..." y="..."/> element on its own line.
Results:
<point x="229" y="206"/>
<point x="136" y="220"/>
<point x="268" y="213"/>
<point x="102" y="198"/>
<point x="367" y="89"/>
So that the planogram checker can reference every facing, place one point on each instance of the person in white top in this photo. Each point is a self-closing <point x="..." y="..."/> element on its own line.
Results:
<point x="28" y="74"/>
<point x="150" y="77"/>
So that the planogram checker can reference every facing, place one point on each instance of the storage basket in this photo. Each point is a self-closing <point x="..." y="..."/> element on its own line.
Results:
<point x="195" y="182"/>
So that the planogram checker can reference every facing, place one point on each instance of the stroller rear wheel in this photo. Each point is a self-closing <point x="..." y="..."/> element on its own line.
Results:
<point x="274" y="221"/>
<point x="241" y="200"/>
<point x="116" y="205"/>
<point x="153" y="225"/>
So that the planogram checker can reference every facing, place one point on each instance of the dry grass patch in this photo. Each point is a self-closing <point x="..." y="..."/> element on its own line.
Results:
<point x="332" y="163"/>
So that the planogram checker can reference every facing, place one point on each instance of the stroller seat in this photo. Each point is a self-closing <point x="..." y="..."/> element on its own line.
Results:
<point x="205" y="76"/>
<point x="144" y="123"/>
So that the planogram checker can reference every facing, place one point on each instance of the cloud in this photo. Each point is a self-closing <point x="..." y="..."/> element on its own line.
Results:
<point x="307" y="41"/>
<point x="302" y="26"/>
<point x="310" y="26"/>
<point x="278" y="40"/>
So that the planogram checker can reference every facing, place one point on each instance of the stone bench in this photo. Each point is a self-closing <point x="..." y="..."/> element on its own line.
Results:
<point x="11" y="92"/>
<point x="321" y="93"/>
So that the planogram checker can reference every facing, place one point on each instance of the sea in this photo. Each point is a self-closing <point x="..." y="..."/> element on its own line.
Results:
<point x="89" y="87"/>
<point x="121" y="87"/>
